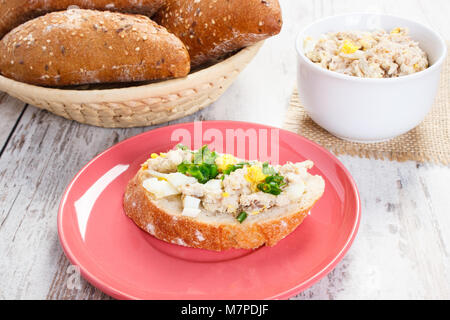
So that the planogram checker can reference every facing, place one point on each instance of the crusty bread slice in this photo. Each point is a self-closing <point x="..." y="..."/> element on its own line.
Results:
<point x="163" y="219"/>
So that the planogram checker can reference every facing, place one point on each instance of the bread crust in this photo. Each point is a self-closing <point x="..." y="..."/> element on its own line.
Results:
<point x="189" y="232"/>
<point x="211" y="29"/>
<point x="87" y="46"/>
<point x="15" y="12"/>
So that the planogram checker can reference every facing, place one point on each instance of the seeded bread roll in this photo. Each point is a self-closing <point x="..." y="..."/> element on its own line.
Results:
<point x="15" y="12"/>
<point x="212" y="28"/>
<point x="86" y="46"/>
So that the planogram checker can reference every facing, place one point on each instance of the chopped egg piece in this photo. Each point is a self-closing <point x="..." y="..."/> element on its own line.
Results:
<point x="224" y="161"/>
<point x="225" y="194"/>
<point x="191" y="202"/>
<point x="349" y="47"/>
<point x="191" y="206"/>
<point x="178" y="180"/>
<point x="156" y="173"/>
<point x="154" y="156"/>
<point x="214" y="185"/>
<point x="255" y="176"/>
<point x="159" y="188"/>
<point x="396" y="30"/>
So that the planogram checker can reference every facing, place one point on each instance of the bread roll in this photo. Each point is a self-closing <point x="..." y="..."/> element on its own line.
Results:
<point x="86" y="46"/>
<point x="212" y="28"/>
<point x="15" y="12"/>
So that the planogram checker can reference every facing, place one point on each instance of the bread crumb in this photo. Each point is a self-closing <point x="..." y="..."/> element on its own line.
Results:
<point x="180" y="242"/>
<point x="199" y="236"/>
<point x="150" y="227"/>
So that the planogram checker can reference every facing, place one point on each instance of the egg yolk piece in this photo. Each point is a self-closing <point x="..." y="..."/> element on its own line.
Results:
<point x="349" y="47"/>
<point x="224" y="161"/>
<point x="255" y="176"/>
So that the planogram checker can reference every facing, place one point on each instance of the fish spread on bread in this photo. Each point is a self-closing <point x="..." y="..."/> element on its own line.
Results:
<point x="215" y="201"/>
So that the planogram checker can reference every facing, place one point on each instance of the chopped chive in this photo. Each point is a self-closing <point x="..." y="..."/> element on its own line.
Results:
<point x="272" y="184"/>
<point x="233" y="167"/>
<point x="182" y="147"/>
<point x="242" y="216"/>
<point x="268" y="170"/>
<point x="203" y="168"/>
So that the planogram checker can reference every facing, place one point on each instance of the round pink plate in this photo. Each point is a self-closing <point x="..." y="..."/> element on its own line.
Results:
<point x="117" y="257"/>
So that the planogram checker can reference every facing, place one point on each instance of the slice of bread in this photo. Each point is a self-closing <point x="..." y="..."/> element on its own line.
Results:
<point x="163" y="219"/>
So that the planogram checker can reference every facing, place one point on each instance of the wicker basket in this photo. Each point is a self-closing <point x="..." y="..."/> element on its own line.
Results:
<point x="135" y="106"/>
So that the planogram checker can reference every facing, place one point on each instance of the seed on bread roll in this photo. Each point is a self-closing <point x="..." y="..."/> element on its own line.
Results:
<point x="15" y="12"/>
<point x="212" y="28"/>
<point x="86" y="46"/>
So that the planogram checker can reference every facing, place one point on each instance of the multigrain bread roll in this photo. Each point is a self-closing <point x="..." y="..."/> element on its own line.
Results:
<point x="212" y="28"/>
<point x="15" y="12"/>
<point x="225" y="212"/>
<point x="86" y="46"/>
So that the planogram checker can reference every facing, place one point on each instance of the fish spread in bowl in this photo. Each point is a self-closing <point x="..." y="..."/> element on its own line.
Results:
<point x="377" y="54"/>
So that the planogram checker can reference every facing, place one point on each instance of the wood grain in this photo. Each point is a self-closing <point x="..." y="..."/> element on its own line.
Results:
<point x="401" y="250"/>
<point x="11" y="110"/>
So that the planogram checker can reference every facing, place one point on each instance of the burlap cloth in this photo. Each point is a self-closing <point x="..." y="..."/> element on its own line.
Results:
<point x="429" y="142"/>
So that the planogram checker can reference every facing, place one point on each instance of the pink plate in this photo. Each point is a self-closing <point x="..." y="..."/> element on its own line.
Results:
<point x="118" y="258"/>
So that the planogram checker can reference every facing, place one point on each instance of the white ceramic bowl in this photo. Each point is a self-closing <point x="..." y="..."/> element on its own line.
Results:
<point x="363" y="109"/>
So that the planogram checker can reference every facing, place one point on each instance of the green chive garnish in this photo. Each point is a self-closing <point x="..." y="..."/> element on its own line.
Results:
<point x="242" y="216"/>
<point x="203" y="168"/>
<point x="272" y="184"/>
<point x="182" y="147"/>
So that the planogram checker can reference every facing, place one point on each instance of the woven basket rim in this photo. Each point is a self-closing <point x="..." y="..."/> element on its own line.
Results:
<point x="123" y="94"/>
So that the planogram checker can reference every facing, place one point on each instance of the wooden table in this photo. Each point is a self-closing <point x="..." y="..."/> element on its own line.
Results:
<point x="403" y="246"/>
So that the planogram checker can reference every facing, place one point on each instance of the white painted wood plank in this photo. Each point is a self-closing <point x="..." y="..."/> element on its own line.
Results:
<point x="401" y="251"/>
<point x="10" y="111"/>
